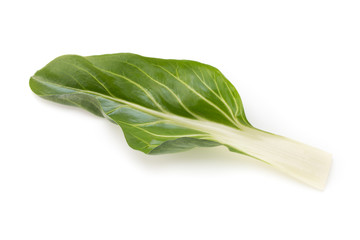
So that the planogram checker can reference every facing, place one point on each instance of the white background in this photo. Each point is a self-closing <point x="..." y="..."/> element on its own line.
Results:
<point x="66" y="174"/>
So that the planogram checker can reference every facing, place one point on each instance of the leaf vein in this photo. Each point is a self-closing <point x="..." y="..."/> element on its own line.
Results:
<point x="167" y="88"/>
<point x="97" y="80"/>
<point x="199" y="95"/>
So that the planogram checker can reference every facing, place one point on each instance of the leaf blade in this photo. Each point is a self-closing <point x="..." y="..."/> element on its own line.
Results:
<point x="104" y="86"/>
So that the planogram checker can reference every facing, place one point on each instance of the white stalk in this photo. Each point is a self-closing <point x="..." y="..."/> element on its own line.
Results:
<point x="303" y="162"/>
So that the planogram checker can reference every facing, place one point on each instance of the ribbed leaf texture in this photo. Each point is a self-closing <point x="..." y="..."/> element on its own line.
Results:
<point x="166" y="106"/>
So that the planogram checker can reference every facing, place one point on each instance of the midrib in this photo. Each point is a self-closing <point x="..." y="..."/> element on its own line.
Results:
<point x="205" y="126"/>
<point x="303" y="162"/>
<point x="306" y="163"/>
<point x="202" y="125"/>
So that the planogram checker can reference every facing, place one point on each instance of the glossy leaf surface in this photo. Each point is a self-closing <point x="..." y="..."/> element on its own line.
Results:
<point x="143" y="94"/>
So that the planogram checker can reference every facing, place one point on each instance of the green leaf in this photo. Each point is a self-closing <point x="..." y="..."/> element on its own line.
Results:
<point x="166" y="106"/>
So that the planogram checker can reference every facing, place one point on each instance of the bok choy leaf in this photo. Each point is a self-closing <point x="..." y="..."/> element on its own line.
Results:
<point x="166" y="106"/>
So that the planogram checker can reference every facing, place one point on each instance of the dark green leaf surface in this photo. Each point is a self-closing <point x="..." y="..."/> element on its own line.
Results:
<point x="142" y="95"/>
